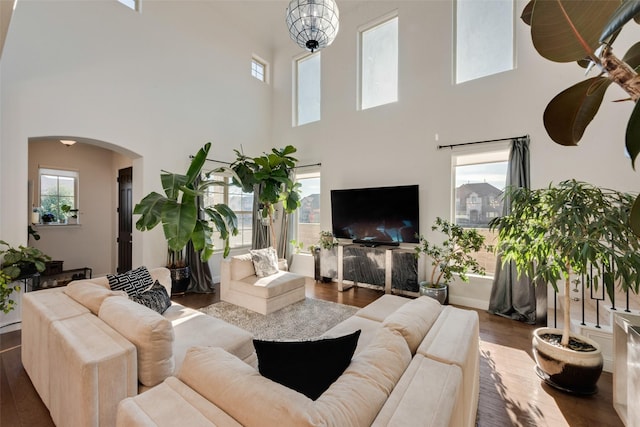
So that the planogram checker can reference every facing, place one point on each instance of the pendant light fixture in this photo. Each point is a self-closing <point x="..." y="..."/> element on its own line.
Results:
<point x="313" y="24"/>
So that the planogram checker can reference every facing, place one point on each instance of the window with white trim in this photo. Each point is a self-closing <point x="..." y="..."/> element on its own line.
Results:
<point x="307" y="216"/>
<point x="131" y="4"/>
<point x="479" y="182"/>
<point x="307" y="89"/>
<point x="259" y="69"/>
<point x="379" y="62"/>
<point x="242" y="205"/>
<point x="58" y="188"/>
<point x="484" y="38"/>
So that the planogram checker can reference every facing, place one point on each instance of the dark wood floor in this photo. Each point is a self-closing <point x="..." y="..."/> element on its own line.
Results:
<point x="510" y="392"/>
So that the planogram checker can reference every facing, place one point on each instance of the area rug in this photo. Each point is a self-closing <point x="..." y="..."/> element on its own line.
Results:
<point x="305" y="319"/>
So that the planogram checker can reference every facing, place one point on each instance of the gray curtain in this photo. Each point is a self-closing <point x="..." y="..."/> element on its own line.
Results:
<point x="201" y="280"/>
<point x="283" y="240"/>
<point x="259" y="234"/>
<point x="513" y="296"/>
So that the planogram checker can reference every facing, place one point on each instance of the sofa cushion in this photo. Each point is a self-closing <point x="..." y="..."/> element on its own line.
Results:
<point x="241" y="267"/>
<point x="90" y="295"/>
<point x="357" y="396"/>
<point x="382" y="307"/>
<point x="309" y="367"/>
<point x="151" y="333"/>
<point x="368" y="329"/>
<point x="132" y="282"/>
<point x="271" y="286"/>
<point x="265" y="261"/>
<point x="156" y="298"/>
<point x="414" y="319"/>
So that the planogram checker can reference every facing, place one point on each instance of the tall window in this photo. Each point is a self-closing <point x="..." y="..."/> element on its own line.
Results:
<point x="484" y="38"/>
<point x="307" y="93"/>
<point x="242" y="205"/>
<point x="57" y="189"/>
<point x="308" y="214"/>
<point x="379" y="63"/>
<point x="131" y="4"/>
<point x="479" y="184"/>
<point x="259" y="69"/>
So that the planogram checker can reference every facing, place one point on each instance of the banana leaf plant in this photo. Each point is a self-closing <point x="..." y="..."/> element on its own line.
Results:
<point x="271" y="174"/>
<point x="178" y="210"/>
<point x="584" y="32"/>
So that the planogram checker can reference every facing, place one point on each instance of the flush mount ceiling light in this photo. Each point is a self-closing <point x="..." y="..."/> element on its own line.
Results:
<point x="313" y="24"/>
<point x="68" y="142"/>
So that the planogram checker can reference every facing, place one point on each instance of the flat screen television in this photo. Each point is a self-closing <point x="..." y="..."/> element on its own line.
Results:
<point x="376" y="216"/>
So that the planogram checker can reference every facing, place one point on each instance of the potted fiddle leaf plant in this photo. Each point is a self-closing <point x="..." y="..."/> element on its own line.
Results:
<point x="17" y="263"/>
<point x="559" y="232"/>
<point x="570" y="31"/>
<point x="184" y="220"/>
<point x="451" y="257"/>
<point x="270" y="176"/>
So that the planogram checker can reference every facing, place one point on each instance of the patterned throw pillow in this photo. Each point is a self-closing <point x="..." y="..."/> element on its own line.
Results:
<point x="156" y="298"/>
<point x="265" y="261"/>
<point x="132" y="282"/>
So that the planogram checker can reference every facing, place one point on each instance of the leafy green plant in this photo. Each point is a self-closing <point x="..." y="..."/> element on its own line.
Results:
<point x="178" y="210"/>
<point x="271" y="173"/>
<point x="568" y="31"/>
<point x="571" y="228"/>
<point x="297" y="246"/>
<point x="17" y="262"/>
<point x="453" y="255"/>
<point x="327" y="241"/>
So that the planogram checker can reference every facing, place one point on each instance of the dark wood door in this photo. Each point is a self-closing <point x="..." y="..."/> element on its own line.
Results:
<point x="125" y="218"/>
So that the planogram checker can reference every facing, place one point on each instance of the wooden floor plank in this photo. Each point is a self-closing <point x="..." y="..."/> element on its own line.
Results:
<point x="511" y="394"/>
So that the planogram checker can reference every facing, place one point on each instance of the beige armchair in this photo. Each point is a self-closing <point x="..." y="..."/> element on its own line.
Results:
<point x="239" y="285"/>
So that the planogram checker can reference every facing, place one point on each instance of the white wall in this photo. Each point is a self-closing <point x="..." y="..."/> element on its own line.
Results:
<point x="155" y="86"/>
<point x="394" y="144"/>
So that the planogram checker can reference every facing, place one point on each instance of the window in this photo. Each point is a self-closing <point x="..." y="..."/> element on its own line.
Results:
<point x="484" y="38"/>
<point x="307" y="90"/>
<point x="57" y="189"/>
<point x="259" y="69"/>
<point x="379" y="63"/>
<point x="131" y="4"/>
<point x="242" y="205"/>
<point x="480" y="179"/>
<point x="307" y="221"/>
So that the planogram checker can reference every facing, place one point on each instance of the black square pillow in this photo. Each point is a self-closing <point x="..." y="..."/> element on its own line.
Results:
<point x="132" y="282"/>
<point x="308" y="367"/>
<point x="156" y="298"/>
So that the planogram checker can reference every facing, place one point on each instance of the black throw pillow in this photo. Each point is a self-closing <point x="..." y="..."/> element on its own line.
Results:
<point x="132" y="282"/>
<point x="308" y="367"/>
<point x="156" y="298"/>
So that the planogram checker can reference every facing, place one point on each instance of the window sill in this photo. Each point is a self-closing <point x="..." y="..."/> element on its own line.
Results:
<point x="55" y="225"/>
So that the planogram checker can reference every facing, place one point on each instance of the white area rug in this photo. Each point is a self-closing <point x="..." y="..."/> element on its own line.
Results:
<point x="305" y="319"/>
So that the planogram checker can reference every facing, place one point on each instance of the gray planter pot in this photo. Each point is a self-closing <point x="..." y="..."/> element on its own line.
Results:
<point x="440" y="294"/>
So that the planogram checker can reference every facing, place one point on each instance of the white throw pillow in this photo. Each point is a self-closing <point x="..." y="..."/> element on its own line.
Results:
<point x="265" y="261"/>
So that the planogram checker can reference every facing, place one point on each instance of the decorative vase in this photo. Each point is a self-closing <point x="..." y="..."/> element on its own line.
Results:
<point x="180" y="279"/>
<point x="439" y="293"/>
<point x="573" y="371"/>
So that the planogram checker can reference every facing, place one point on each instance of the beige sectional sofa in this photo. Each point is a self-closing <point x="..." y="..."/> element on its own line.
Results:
<point x="416" y="364"/>
<point x="86" y="348"/>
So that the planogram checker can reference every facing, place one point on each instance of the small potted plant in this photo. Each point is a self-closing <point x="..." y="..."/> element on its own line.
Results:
<point x="452" y="256"/>
<point x="17" y="263"/>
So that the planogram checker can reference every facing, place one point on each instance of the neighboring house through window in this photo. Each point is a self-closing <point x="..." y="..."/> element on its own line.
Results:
<point x="307" y="216"/>
<point x="479" y="182"/>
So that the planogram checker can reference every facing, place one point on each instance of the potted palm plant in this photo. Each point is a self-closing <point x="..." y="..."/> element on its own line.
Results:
<point x="178" y="211"/>
<point x="17" y="263"/>
<point x="452" y="256"/>
<point x="271" y="175"/>
<point x="560" y="231"/>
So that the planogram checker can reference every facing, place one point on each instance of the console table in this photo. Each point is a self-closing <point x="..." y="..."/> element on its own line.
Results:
<point x="61" y="278"/>
<point x="386" y="267"/>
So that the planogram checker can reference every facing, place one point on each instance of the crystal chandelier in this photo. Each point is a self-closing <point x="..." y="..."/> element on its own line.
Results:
<point x="313" y="24"/>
